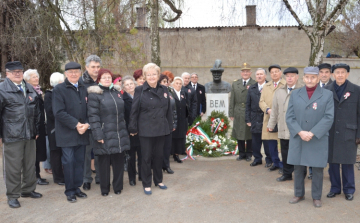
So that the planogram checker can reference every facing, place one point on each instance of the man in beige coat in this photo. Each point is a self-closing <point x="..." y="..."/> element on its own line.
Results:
<point x="278" y="114"/>
<point x="266" y="99"/>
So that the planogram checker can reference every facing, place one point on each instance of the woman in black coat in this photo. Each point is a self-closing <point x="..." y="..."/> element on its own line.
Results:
<point x="151" y="119"/>
<point x="179" y="135"/>
<point x="128" y="85"/>
<point x="106" y="118"/>
<point x="55" y="152"/>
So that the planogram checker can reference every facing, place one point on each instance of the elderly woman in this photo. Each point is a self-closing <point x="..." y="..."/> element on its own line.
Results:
<point x="138" y="76"/>
<point x="55" y="152"/>
<point x="182" y="111"/>
<point x="32" y="77"/>
<point x="163" y="80"/>
<point x="151" y="118"/>
<point x="128" y="85"/>
<point x="106" y="117"/>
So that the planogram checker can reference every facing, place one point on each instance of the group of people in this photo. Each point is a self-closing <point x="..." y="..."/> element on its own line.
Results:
<point x="316" y="124"/>
<point x="145" y="115"/>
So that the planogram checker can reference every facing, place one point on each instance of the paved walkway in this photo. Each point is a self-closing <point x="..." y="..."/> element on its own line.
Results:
<point x="205" y="190"/>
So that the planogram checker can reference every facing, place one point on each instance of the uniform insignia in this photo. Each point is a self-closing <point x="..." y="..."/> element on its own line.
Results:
<point x="165" y="95"/>
<point x="347" y="95"/>
<point x="189" y="91"/>
<point x="119" y="95"/>
<point x="182" y="96"/>
<point x="235" y="79"/>
<point x="200" y="92"/>
<point x="315" y="106"/>
<point x="86" y="99"/>
<point x="30" y="98"/>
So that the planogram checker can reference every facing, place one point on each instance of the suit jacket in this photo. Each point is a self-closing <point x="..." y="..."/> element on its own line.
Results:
<point x="346" y="126"/>
<point x="328" y="83"/>
<point x="315" y="115"/>
<point x="201" y="99"/>
<point x="181" y="111"/>
<point x="192" y="102"/>
<point x="253" y="112"/>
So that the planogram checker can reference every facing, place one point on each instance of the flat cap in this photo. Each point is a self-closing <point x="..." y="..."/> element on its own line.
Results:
<point x="324" y="65"/>
<point x="246" y="66"/>
<point x="274" y="66"/>
<point x="340" y="65"/>
<point x="311" y="70"/>
<point x="14" y="65"/>
<point x="291" y="70"/>
<point x="72" y="65"/>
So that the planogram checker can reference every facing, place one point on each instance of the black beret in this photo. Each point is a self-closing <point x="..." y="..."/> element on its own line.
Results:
<point x="291" y="70"/>
<point x="340" y="65"/>
<point x="324" y="65"/>
<point x="14" y="65"/>
<point x="72" y="65"/>
<point x="274" y="66"/>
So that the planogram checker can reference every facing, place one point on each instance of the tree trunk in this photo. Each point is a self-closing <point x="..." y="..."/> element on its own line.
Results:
<point x="317" y="49"/>
<point x="154" y="32"/>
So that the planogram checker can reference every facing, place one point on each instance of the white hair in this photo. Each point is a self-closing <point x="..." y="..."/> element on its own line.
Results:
<point x="194" y="74"/>
<point x="127" y="78"/>
<point x="28" y="73"/>
<point x="262" y="70"/>
<point x="94" y="58"/>
<point x="151" y="66"/>
<point x="56" y="78"/>
<point x="185" y="73"/>
<point x="179" y="78"/>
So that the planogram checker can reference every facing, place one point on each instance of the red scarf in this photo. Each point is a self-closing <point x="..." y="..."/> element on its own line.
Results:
<point x="310" y="91"/>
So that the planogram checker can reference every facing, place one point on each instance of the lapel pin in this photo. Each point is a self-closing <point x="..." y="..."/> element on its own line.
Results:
<point x="315" y="106"/>
<point x="30" y="98"/>
<point x="347" y="95"/>
<point x="165" y="95"/>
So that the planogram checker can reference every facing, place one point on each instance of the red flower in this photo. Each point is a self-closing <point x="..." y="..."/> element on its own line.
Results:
<point x="222" y="130"/>
<point x="212" y="119"/>
<point x="207" y="150"/>
<point x="225" y="126"/>
<point x="218" y="146"/>
<point x="222" y="120"/>
<point x="214" y="149"/>
<point x="213" y="141"/>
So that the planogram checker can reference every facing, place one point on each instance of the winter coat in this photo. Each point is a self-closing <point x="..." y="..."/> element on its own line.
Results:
<point x="19" y="114"/>
<point x="201" y="99"/>
<point x="266" y="100"/>
<point x="41" y="140"/>
<point x="50" y="120"/>
<point x="346" y="126"/>
<point x="151" y="113"/>
<point x="86" y="80"/>
<point x="253" y="113"/>
<point x="106" y="118"/>
<point x="182" y="115"/>
<point x="173" y="107"/>
<point x="237" y="108"/>
<point x="278" y="111"/>
<point x="315" y="115"/>
<point x="134" y="140"/>
<point x="69" y="108"/>
<point x="192" y="102"/>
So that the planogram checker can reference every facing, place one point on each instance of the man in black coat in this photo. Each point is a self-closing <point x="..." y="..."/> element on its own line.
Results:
<point x="192" y="98"/>
<point x="88" y="79"/>
<point x="344" y="133"/>
<point x="200" y="94"/>
<point x="254" y="118"/>
<point x="71" y="125"/>
<point x="19" y="127"/>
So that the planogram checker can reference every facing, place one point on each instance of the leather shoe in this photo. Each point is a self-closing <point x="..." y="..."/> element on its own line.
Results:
<point x="163" y="187"/>
<point x="281" y="171"/>
<point x="71" y="198"/>
<point x="132" y="183"/>
<point x="283" y="178"/>
<point x="177" y="159"/>
<point x="248" y="159"/>
<point x="14" y="203"/>
<point x="81" y="195"/>
<point x="317" y="203"/>
<point x="349" y="197"/>
<point x="273" y="167"/>
<point x="32" y="194"/>
<point x="97" y="182"/>
<point x="168" y="170"/>
<point x="147" y="192"/>
<point x="295" y="200"/>
<point x="310" y="176"/>
<point x="118" y="192"/>
<point x="140" y="178"/>
<point x="87" y="186"/>
<point x="332" y="194"/>
<point x="41" y="181"/>
<point x="268" y="165"/>
<point x="255" y="163"/>
<point x="61" y="183"/>
<point x="104" y="194"/>
<point x="239" y="158"/>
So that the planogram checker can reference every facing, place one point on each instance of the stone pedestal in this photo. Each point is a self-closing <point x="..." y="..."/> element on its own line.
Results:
<point x="217" y="102"/>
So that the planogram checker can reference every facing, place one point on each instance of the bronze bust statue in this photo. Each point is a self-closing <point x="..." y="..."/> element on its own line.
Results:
<point x="217" y="85"/>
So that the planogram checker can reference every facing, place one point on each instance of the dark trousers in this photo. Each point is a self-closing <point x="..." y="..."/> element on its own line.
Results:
<point x="245" y="152"/>
<point x="73" y="164"/>
<point x="152" y="149"/>
<point x="117" y="162"/>
<point x="256" y="147"/>
<point x="288" y="169"/>
<point x="132" y="163"/>
<point x="37" y="169"/>
<point x="273" y="149"/>
<point x="316" y="183"/>
<point x="56" y="165"/>
<point x="167" y="151"/>
<point x="348" y="178"/>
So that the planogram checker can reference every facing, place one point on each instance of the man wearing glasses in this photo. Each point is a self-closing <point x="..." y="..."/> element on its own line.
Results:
<point x="19" y="121"/>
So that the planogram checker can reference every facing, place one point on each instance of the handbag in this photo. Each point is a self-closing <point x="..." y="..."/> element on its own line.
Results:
<point x="275" y="129"/>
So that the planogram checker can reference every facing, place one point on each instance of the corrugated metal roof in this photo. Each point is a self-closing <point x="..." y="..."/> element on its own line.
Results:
<point x="212" y="27"/>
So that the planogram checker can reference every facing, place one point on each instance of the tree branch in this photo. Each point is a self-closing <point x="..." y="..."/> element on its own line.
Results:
<point x="336" y="11"/>
<point x="311" y="9"/>
<point x="301" y="24"/>
<point x="174" y="9"/>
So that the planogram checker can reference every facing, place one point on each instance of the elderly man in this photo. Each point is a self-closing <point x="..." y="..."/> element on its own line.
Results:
<point x="200" y="94"/>
<point x="241" y="131"/>
<point x="325" y="74"/>
<point x="277" y="117"/>
<point x="309" y="118"/>
<point x="19" y="127"/>
<point x="254" y="118"/>
<point x="344" y="133"/>
<point x="92" y="66"/>
<point x="71" y="125"/>
<point x="266" y="99"/>
<point x="192" y="97"/>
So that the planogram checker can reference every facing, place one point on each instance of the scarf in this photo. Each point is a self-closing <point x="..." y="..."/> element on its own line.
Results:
<point x="38" y="89"/>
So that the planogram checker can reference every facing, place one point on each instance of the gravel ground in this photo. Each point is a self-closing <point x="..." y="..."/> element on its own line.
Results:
<point x="205" y="190"/>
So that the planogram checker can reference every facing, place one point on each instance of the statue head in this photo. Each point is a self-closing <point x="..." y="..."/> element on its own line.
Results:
<point x="217" y="71"/>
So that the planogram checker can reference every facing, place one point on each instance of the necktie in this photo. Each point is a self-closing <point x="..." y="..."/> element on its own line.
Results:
<point x="290" y="88"/>
<point x="21" y="89"/>
<point x="76" y="85"/>
<point x="194" y="86"/>
<point x="260" y="89"/>
<point x="244" y="83"/>
<point x="275" y="85"/>
<point x="322" y="85"/>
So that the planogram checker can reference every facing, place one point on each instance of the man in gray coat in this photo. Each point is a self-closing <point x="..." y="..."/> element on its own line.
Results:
<point x="345" y="132"/>
<point x="309" y="118"/>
